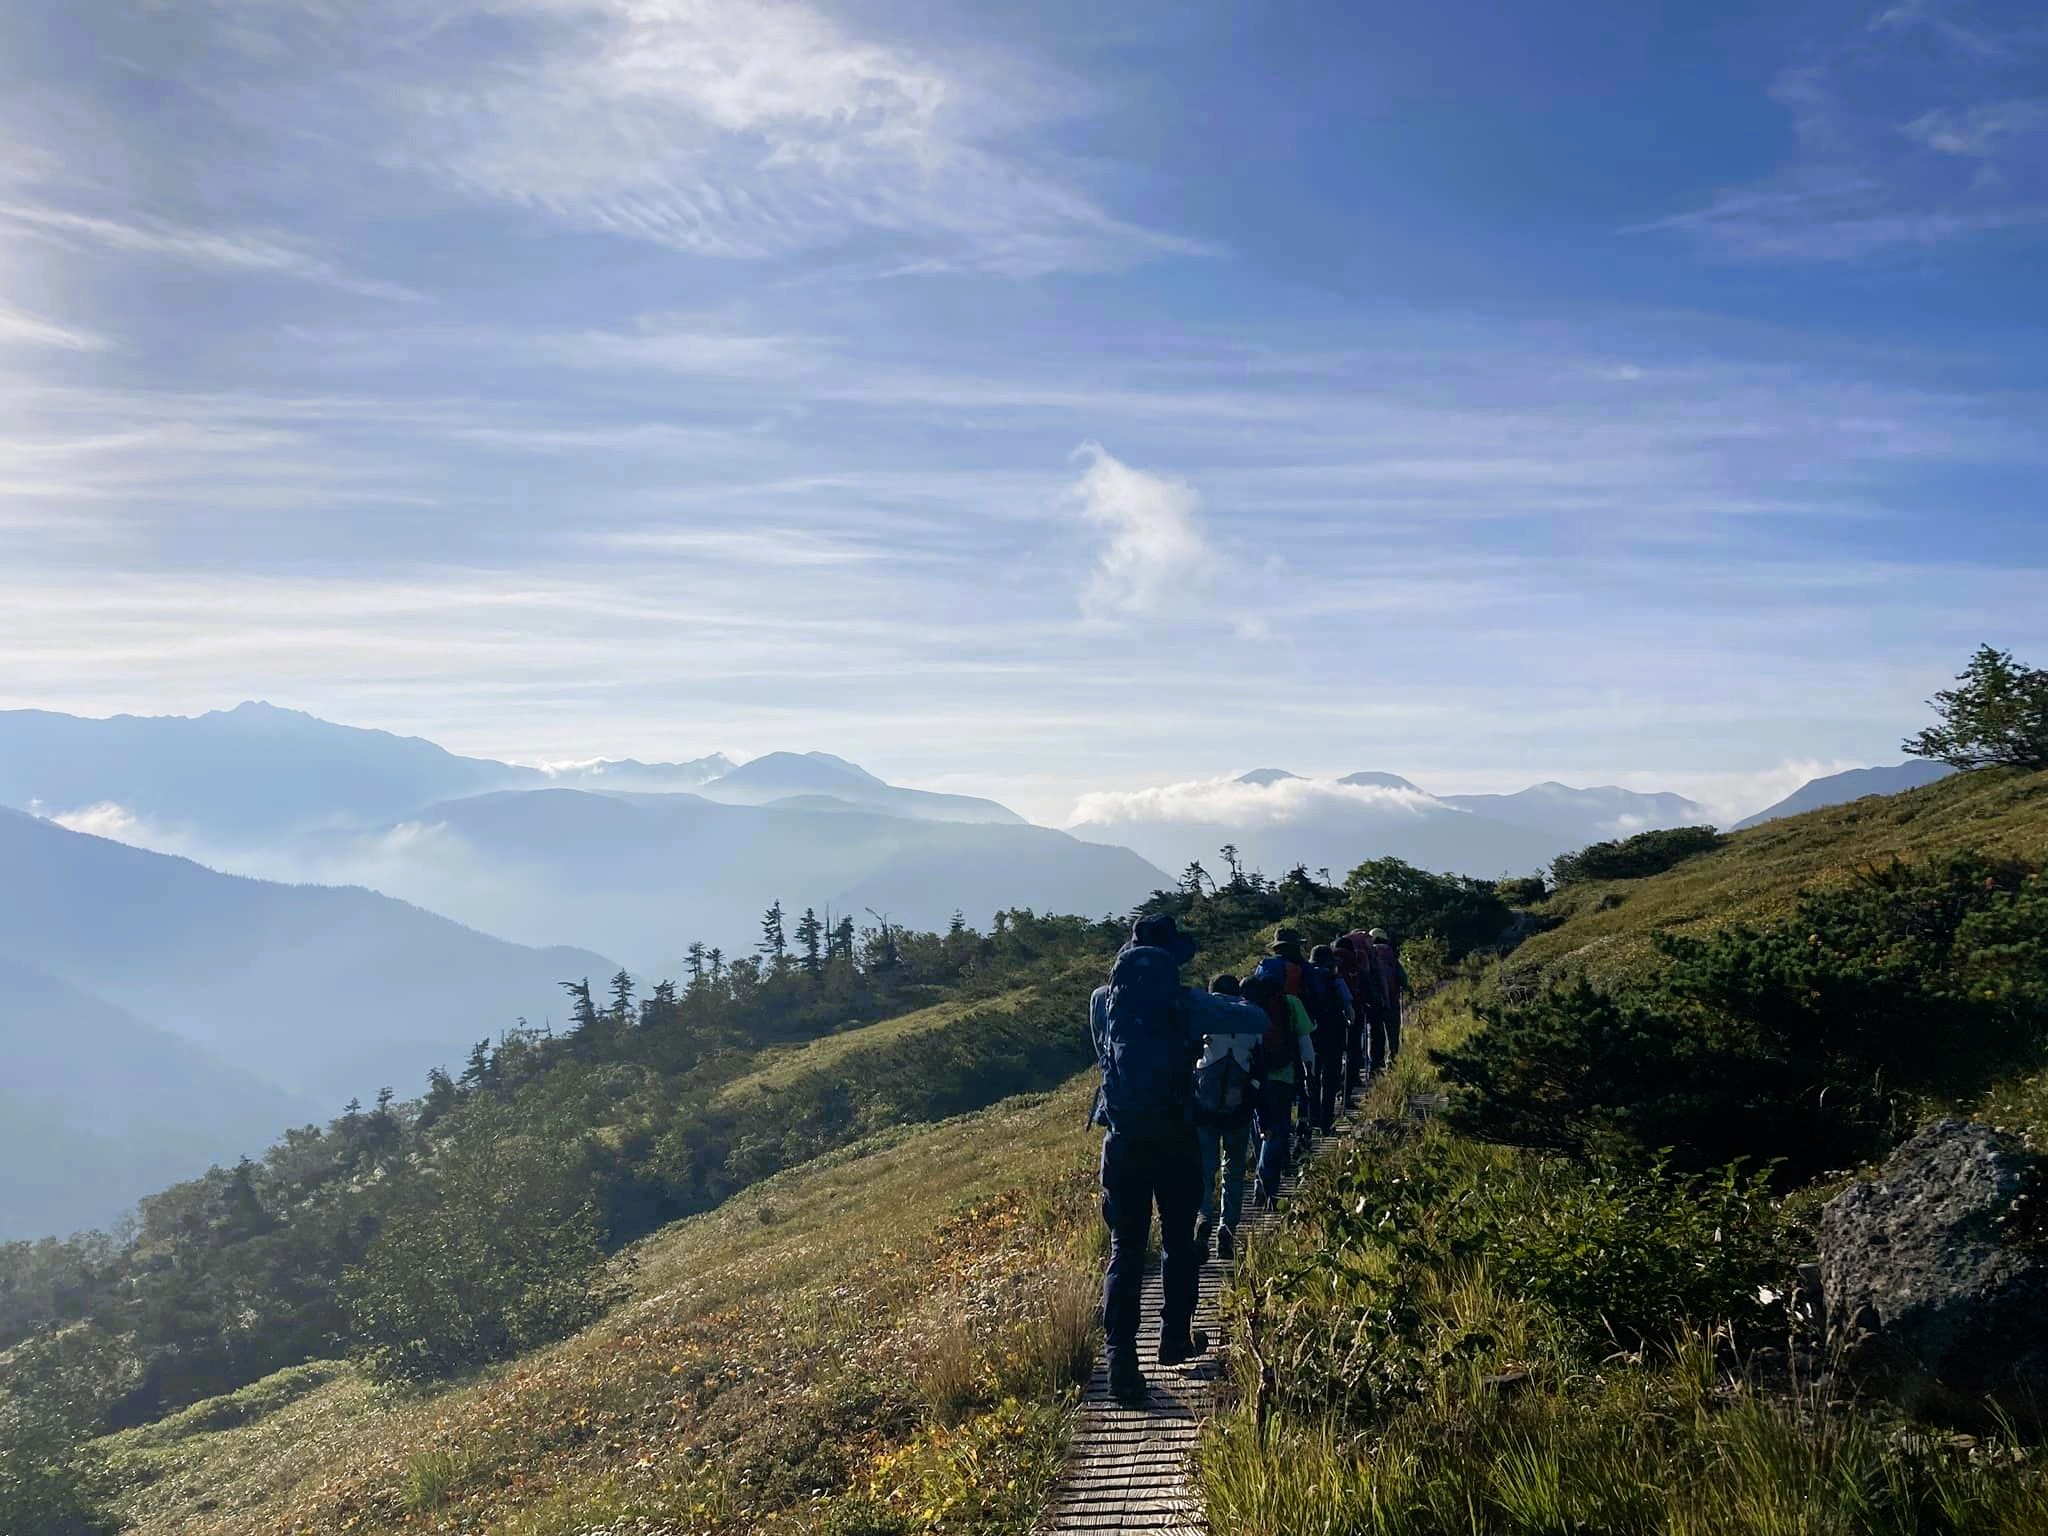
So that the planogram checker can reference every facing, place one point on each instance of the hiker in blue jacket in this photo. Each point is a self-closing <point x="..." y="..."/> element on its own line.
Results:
<point x="1147" y="1035"/>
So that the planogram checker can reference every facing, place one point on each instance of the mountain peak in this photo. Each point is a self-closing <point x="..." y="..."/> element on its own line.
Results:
<point x="810" y="769"/>
<point x="1373" y="780"/>
<point x="1263" y="776"/>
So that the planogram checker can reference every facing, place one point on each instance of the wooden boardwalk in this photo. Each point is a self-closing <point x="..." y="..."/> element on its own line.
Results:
<point x="1130" y="1469"/>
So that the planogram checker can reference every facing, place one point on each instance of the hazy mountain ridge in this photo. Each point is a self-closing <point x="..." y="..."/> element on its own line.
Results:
<point x="325" y="991"/>
<point x="114" y="1107"/>
<point x="1854" y="784"/>
<point x="1277" y="818"/>
<point x="244" y="774"/>
<point x="1582" y="816"/>
<point x="647" y="874"/>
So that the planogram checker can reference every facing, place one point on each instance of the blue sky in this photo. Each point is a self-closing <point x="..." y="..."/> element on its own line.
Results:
<point x="1031" y="399"/>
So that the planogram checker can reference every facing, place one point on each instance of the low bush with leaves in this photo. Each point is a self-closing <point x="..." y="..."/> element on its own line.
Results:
<point x="1632" y="858"/>
<point x="1414" y="1256"/>
<point x="1813" y="1041"/>
<point x="489" y="1254"/>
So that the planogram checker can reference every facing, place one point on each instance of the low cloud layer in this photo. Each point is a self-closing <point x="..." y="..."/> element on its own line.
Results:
<point x="1231" y="802"/>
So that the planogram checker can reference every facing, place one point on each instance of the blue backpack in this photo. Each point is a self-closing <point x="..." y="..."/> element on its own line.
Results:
<point x="1143" y="1045"/>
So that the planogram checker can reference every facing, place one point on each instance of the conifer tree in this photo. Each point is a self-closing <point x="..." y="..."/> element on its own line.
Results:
<point x="622" y="997"/>
<point x="1996" y="716"/>
<point x="693" y="962"/>
<point x="773" y="943"/>
<point x="810" y="934"/>
<point x="582" y="1011"/>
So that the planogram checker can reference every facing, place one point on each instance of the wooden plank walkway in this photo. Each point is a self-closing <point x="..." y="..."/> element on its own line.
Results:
<point x="1130" y="1469"/>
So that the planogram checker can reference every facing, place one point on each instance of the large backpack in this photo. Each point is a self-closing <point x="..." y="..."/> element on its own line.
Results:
<point x="1370" y="976"/>
<point x="1224" y="1086"/>
<point x="1142" y="1046"/>
<point x="1280" y="1046"/>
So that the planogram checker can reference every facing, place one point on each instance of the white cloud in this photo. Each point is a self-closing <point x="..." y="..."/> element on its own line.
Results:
<point x="1732" y="797"/>
<point x="1900" y="139"/>
<point x="1230" y="802"/>
<point x="18" y="329"/>
<point x="1156" y="555"/>
<point x="230" y="250"/>
<point x="115" y="822"/>
<point x="742" y="128"/>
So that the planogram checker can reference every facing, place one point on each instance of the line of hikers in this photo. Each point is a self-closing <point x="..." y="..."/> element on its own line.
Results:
<point x="1190" y="1076"/>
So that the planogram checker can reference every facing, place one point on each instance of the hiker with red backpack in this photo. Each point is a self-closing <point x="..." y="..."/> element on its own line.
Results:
<point x="1299" y="978"/>
<point x="1358" y="977"/>
<point x="1394" y="981"/>
<point x="1227" y="1089"/>
<point x="1147" y="1031"/>
<point x="1287" y="1045"/>
<point x="1372" y="989"/>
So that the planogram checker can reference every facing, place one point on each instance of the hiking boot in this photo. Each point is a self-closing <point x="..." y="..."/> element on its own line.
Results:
<point x="1204" y="1229"/>
<point x="1226" y="1243"/>
<point x="1127" y="1383"/>
<point x="1187" y="1347"/>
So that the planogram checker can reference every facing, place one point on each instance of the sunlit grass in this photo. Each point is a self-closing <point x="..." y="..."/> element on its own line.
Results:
<point x="760" y="1374"/>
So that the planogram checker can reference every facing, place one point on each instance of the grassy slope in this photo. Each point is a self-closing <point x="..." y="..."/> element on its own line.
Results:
<point x="782" y="1344"/>
<point x="784" y="1068"/>
<point x="1680" y="1443"/>
<point x="1756" y="875"/>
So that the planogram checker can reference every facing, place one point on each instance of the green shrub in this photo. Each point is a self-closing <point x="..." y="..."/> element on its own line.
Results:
<point x="1391" y="894"/>
<point x="1813" y="1041"/>
<point x="491" y="1254"/>
<point x="1635" y="1255"/>
<point x="1631" y="858"/>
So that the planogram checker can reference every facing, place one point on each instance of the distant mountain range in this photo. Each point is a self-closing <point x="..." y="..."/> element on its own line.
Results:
<point x="1582" y="816"/>
<point x="1277" y="819"/>
<point x="245" y="777"/>
<point x="98" y="1108"/>
<point x="315" y="994"/>
<point x="643" y="875"/>
<point x="1840" y="788"/>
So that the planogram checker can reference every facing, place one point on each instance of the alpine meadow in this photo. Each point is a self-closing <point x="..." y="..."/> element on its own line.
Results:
<point x="803" y="768"/>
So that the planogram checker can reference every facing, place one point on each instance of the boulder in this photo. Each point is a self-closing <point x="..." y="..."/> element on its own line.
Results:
<point x="1928" y="1297"/>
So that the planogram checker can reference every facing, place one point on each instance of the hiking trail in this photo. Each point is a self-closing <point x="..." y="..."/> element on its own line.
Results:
<point x="1131" y="1468"/>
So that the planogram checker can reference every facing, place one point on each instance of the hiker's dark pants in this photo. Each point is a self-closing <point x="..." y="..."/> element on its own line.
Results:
<point x="1393" y="1031"/>
<point x="1276" y="1104"/>
<point x="1376" y="1038"/>
<point x="1138" y="1172"/>
<point x="1329" y="1075"/>
<point x="1357" y="1063"/>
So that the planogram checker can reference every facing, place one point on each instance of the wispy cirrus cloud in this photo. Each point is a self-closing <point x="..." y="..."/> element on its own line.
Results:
<point x="1923" y="125"/>
<point x="741" y="129"/>
<point x="24" y="330"/>
<point x="224" y="249"/>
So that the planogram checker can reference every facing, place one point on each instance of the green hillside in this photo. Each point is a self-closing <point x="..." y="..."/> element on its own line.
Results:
<point x="1603" y="928"/>
<point x="892" y="1327"/>
<point x="870" y="1316"/>
<point x="1557" y="1306"/>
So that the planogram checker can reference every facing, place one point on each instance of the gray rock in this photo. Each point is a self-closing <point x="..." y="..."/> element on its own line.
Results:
<point x="1927" y="1300"/>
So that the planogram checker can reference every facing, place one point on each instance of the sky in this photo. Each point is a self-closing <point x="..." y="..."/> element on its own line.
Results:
<point x="1031" y="400"/>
